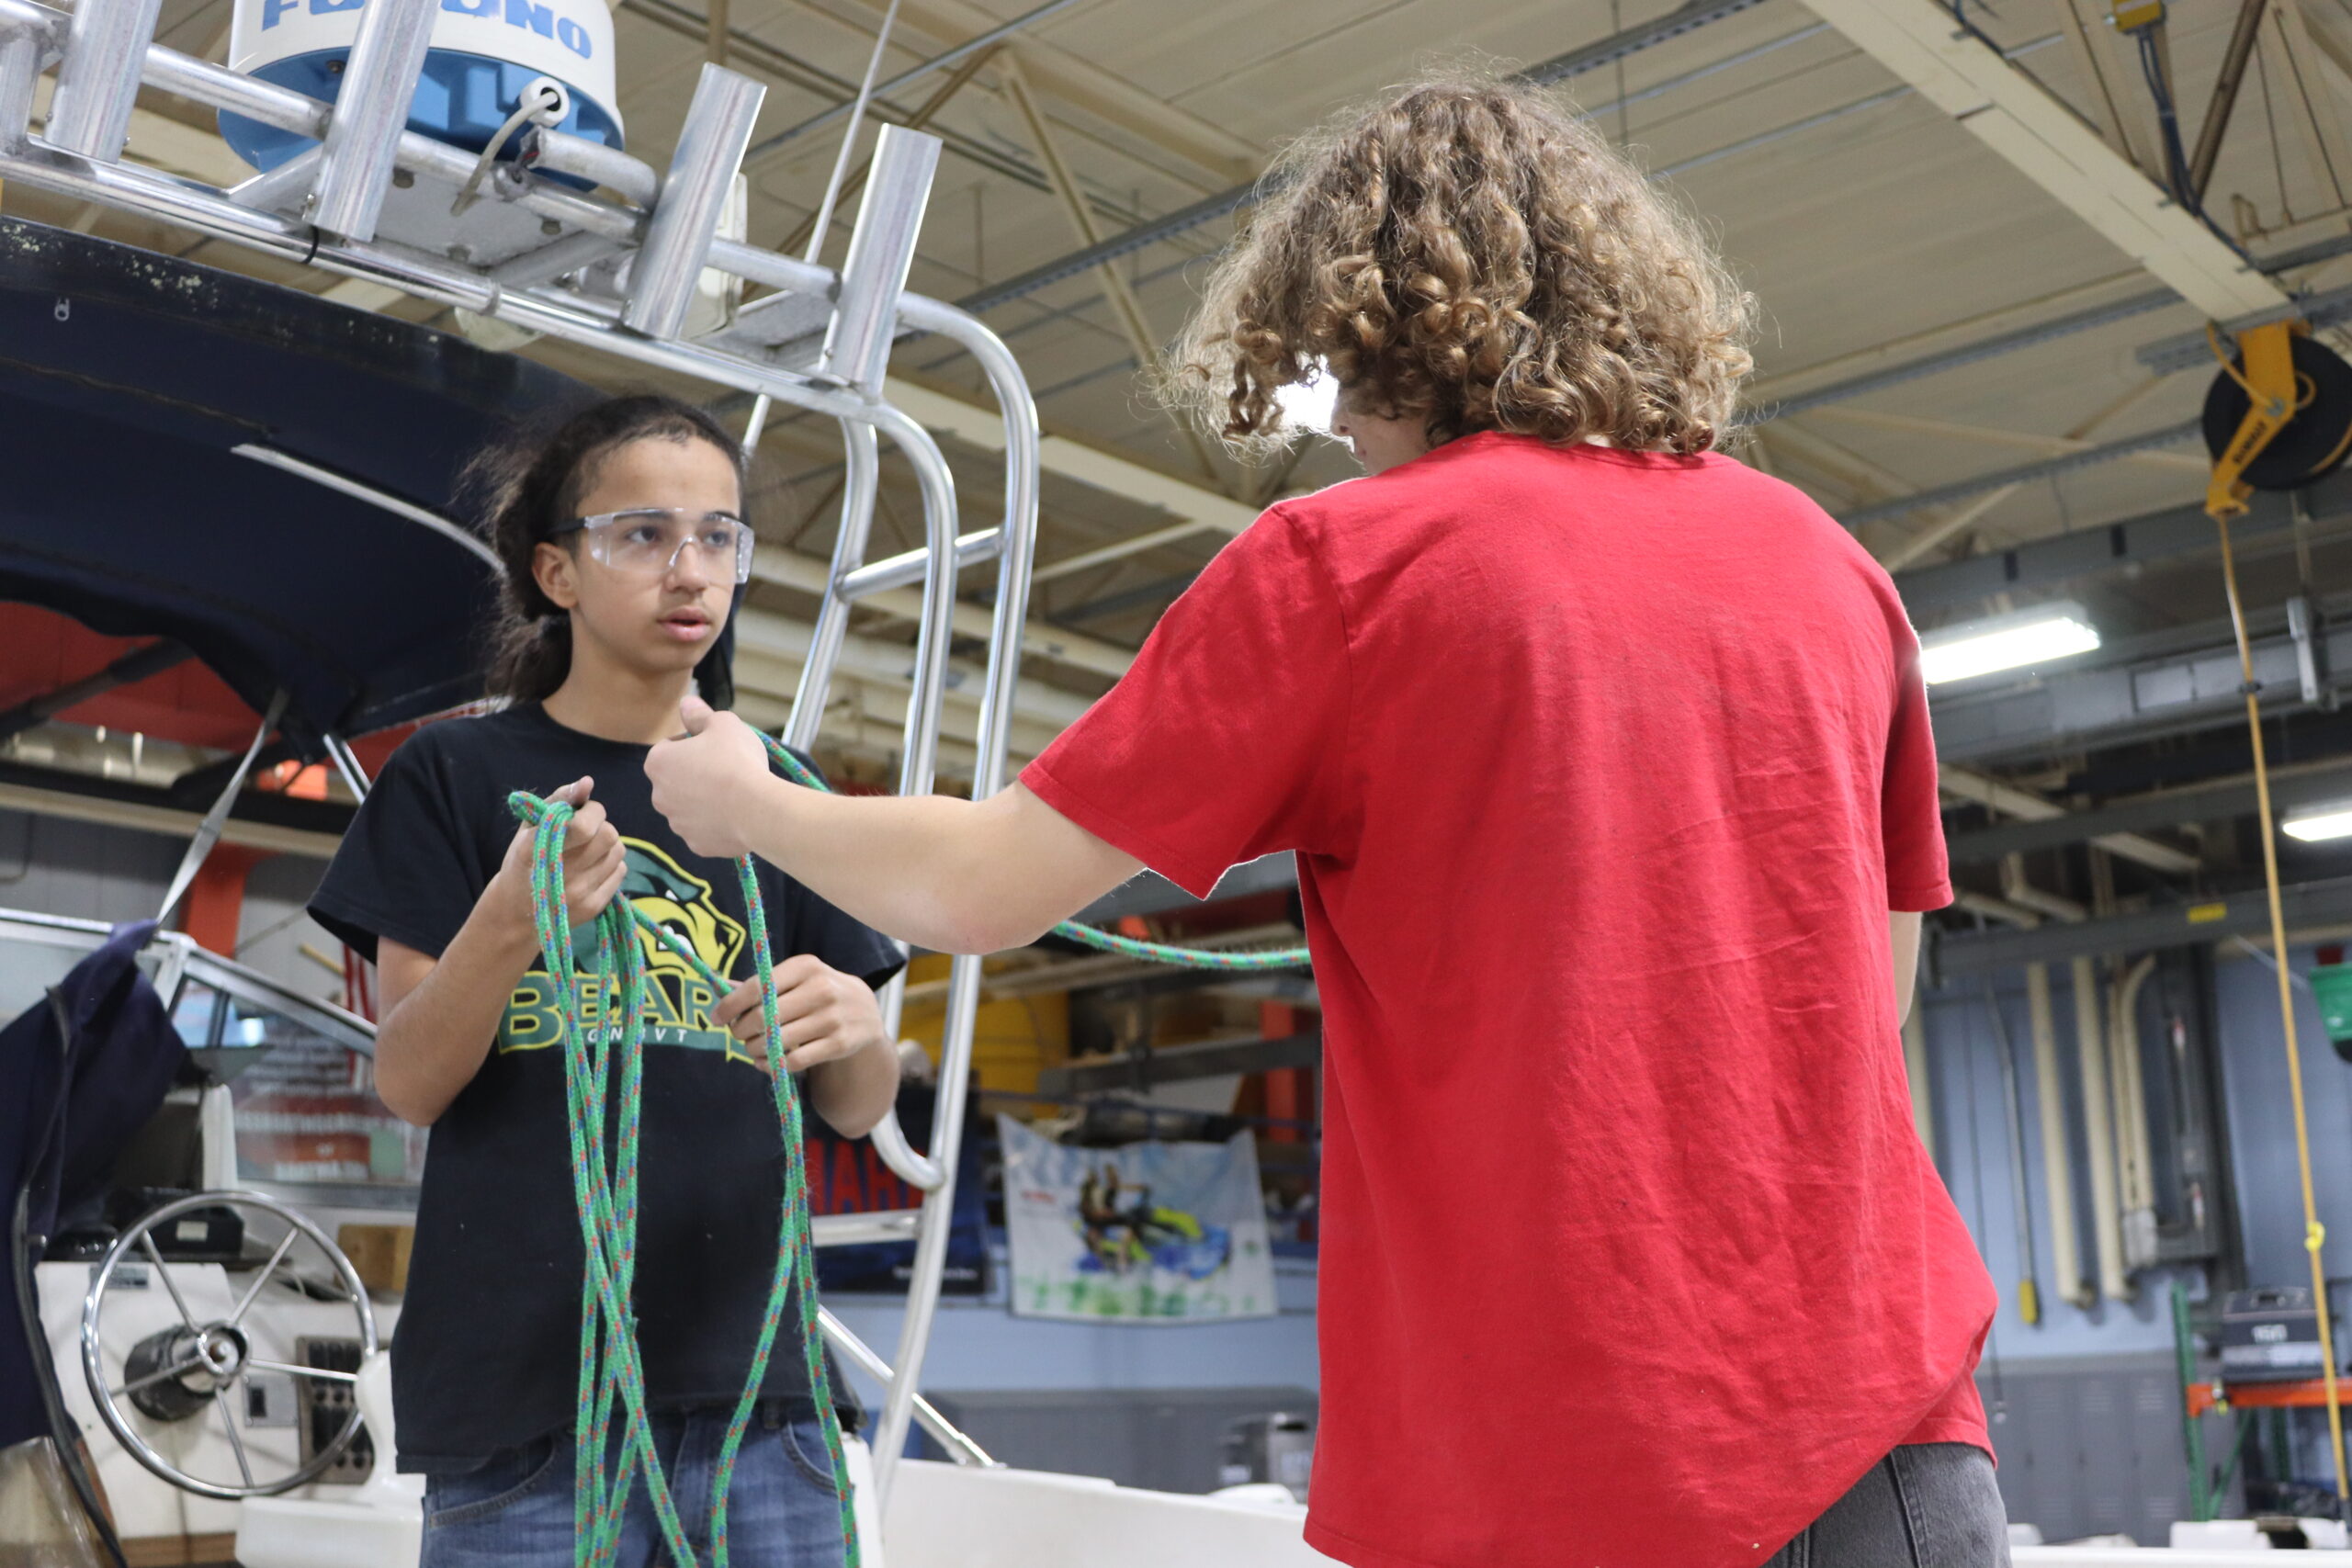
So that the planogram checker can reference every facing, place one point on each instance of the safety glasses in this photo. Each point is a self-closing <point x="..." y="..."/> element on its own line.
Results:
<point x="649" y="541"/>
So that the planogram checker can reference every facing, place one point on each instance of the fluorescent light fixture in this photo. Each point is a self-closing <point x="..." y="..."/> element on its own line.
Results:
<point x="2007" y="642"/>
<point x="2317" y="823"/>
<point x="1309" y="404"/>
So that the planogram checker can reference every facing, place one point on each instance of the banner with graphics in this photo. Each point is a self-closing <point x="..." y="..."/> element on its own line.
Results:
<point x="1151" y="1233"/>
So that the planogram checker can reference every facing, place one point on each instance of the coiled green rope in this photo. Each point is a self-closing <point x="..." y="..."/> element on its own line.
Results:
<point x="604" y="1185"/>
<point x="1090" y="936"/>
<point x="604" y="1191"/>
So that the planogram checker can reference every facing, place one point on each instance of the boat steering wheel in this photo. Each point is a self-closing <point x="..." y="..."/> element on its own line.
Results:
<point x="197" y="1365"/>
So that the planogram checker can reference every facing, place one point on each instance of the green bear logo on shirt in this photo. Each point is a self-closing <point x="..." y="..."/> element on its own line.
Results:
<point x="677" y="1000"/>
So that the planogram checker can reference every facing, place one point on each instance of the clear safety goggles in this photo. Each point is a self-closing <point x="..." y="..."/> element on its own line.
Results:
<point x="650" y="541"/>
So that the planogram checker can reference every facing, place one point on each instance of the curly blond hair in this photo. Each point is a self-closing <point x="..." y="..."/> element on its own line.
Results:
<point x="1469" y="250"/>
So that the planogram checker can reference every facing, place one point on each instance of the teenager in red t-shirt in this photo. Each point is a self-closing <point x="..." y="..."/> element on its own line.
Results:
<point x="1608" y="768"/>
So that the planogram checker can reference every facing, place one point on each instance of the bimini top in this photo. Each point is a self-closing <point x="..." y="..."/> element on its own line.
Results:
<point x="262" y="476"/>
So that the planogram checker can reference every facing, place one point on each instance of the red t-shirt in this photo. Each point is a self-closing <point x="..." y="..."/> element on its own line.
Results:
<point x="1603" y="770"/>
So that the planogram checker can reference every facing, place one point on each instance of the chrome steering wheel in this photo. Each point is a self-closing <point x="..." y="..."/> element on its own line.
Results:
<point x="200" y="1364"/>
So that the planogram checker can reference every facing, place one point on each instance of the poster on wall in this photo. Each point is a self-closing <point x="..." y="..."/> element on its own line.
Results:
<point x="1151" y="1233"/>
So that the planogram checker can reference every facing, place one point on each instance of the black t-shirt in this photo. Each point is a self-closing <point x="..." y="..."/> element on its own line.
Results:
<point x="487" y="1354"/>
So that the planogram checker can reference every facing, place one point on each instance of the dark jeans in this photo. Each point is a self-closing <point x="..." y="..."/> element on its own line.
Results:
<point x="1924" y="1506"/>
<point x="517" y="1511"/>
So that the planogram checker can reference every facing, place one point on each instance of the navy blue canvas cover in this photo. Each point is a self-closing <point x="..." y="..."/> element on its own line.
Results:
<point x="94" y="1059"/>
<point x="128" y="381"/>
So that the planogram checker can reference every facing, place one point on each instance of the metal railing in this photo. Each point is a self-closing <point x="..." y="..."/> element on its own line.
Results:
<point x="618" y="271"/>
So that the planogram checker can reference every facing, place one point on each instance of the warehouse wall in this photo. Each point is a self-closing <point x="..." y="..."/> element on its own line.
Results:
<point x="1972" y="1147"/>
<point x="2086" y="1410"/>
<point x="1973" y="1151"/>
<point x="2261" y="1132"/>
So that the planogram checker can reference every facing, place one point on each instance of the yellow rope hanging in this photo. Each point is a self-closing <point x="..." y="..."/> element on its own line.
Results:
<point x="2315" y="1234"/>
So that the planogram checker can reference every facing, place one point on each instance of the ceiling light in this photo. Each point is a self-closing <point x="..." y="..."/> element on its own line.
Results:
<point x="2320" y="823"/>
<point x="2007" y="642"/>
<point x="1309" y="404"/>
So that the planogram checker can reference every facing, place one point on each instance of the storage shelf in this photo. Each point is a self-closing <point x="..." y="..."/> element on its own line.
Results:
<point x="2302" y="1396"/>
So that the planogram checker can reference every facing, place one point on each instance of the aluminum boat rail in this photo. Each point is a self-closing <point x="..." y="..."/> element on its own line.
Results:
<point x="637" y="268"/>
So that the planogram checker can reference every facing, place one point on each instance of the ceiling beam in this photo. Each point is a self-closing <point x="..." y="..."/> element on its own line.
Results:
<point x="2314" y="784"/>
<point x="1120" y="295"/>
<point x="1679" y="23"/>
<point x="1993" y="909"/>
<point x="1081" y="84"/>
<point x="1913" y="425"/>
<point x="1957" y="70"/>
<point x="1117" y="551"/>
<point x="796" y="242"/>
<point x="1877" y="368"/>
<point x="1937" y="535"/>
<point x="2107" y="98"/>
<point x="2169" y="534"/>
<point x="1963" y="784"/>
<point x="749" y="52"/>
<point x="2309" y="904"/>
<point x="976" y="48"/>
<point x="2331" y="32"/>
<point x="2083" y="456"/>
<point x="984" y="427"/>
<point x="2294" y="59"/>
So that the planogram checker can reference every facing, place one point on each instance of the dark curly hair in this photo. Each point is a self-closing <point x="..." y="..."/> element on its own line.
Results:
<point x="1472" y="252"/>
<point x="525" y="488"/>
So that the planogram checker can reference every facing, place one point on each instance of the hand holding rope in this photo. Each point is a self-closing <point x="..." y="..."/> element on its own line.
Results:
<point x="604" y="1188"/>
<point x="605" y="1168"/>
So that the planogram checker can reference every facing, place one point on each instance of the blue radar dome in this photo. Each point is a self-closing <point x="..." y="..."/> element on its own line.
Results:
<point x="485" y="53"/>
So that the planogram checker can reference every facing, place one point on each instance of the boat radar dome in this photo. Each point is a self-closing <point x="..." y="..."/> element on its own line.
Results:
<point x="485" y="56"/>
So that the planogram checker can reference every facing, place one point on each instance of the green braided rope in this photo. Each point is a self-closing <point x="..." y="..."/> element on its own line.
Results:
<point x="1090" y="936"/>
<point x="609" y="1353"/>
<point x="604" y="1187"/>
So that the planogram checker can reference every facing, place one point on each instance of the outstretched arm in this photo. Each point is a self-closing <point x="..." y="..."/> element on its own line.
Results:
<point x="952" y="875"/>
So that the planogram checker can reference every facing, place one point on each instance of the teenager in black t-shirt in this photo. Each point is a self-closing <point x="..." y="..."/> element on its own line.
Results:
<point x="623" y="543"/>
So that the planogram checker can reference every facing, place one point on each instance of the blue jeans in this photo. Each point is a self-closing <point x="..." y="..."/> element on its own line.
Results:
<point x="516" y="1510"/>
<point x="1924" y="1506"/>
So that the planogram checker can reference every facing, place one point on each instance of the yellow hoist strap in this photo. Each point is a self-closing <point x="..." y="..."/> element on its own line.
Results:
<point x="2270" y="384"/>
